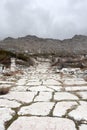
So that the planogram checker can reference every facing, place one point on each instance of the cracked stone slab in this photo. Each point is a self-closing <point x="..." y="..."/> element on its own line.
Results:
<point x="64" y="96"/>
<point x="26" y="97"/>
<point x="42" y="123"/>
<point x="62" y="107"/>
<point x="44" y="96"/>
<point x="40" y="88"/>
<point x="75" y="88"/>
<point x="55" y="88"/>
<point x="34" y="83"/>
<point x="83" y="95"/>
<point x="80" y="113"/>
<point x="9" y="104"/>
<point x="18" y="88"/>
<point x="21" y="82"/>
<point x="75" y="81"/>
<point x="5" y="85"/>
<point x="51" y="82"/>
<point x="2" y="126"/>
<point x="5" y="115"/>
<point x="83" y="127"/>
<point x="39" y="108"/>
<point x="6" y="82"/>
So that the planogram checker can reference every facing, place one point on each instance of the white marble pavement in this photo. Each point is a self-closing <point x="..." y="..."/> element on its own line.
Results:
<point x="41" y="99"/>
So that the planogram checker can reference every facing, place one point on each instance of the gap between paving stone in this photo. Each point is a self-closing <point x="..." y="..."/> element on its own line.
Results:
<point x="15" y="117"/>
<point x="76" y="94"/>
<point x="52" y="100"/>
<point x="69" y="117"/>
<point x="51" y="111"/>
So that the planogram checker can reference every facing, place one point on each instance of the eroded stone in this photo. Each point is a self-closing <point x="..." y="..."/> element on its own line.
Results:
<point x="34" y="83"/>
<point x="81" y="112"/>
<point x="9" y="104"/>
<point x="40" y="88"/>
<point x="20" y="96"/>
<point x="51" y="82"/>
<point x="39" y="108"/>
<point x="64" y="96"/>
<point x="83" y="95"/>
<point x="5" y="115"/>
<point x="44" y="96"/>
<point x="62" y="107"/>
<point x="76" y="88"/>
<point x="75" y="81"/>
<point x="42" y="123"/>
<point x="83" y="127"/>
<point x="21" y="82"/>
<point x="56" y="88"/>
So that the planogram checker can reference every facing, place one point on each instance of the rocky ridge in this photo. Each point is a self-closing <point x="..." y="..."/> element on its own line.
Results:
<point x="34" y="45"/>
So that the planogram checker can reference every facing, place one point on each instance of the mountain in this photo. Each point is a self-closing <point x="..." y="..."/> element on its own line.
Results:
<point x="77" y="45"/>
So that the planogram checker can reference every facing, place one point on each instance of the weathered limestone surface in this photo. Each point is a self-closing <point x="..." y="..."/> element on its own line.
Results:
<point x="40" y="88"/>
<point x="26" y="97"/>
<point x="62" y="107"/>
<point x="8" y="103"/>
<point x="83" y="127"/>
<point x="83" y="95"/>
<point x="75" y="81"/>
<point x="76" y="88"/>
<point x="6" y="114"/>
<point x="42" y="123"/>
<point x="39" y="108"/>
<point x="44" y="96"/>
<point x="41" y="99"/>
<point x="64" y="96"/>
<point x="81" y="112"/>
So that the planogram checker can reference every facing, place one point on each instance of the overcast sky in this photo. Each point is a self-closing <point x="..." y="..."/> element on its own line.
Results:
<point x="44" y="18"/>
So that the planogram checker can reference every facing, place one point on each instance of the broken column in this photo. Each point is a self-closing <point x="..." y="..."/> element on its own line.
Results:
<point x="13" y="64"/>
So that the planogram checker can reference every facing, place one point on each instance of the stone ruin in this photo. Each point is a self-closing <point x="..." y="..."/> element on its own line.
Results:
<point x="11" y="68"/>
<point x="13" y="64"/>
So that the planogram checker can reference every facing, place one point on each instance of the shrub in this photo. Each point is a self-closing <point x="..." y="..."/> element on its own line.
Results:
<point x="4" y="91"/>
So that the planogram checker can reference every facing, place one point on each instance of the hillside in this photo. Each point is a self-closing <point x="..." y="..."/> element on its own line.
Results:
<point x="32" y="44"/>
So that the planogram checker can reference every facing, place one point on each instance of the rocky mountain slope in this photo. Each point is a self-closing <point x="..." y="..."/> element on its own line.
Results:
<point x="32" y="44"/>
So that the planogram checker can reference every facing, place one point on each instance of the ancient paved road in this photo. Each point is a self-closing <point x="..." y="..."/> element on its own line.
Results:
<point x="44" y="100"/>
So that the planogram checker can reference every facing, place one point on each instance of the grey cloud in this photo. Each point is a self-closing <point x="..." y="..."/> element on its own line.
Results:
<point x="44" y="18"/>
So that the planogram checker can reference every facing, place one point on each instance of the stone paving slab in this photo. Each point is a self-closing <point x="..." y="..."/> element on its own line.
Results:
<point x="2" y="126"/>
<point x="40" y="88"/>
<point x="56" y="87"/>
<point x="6" y="114"/>
<point x="44" y="96"/>
<point x="51" y="82"/>
<point x="61" y="108"/>
<point x="34" y="83"/>
<point x="42" y="123"/>
<point x="21" y="81"/>
<point x="83" y="94"/>
<point x="44" y="100"/>
<point x="25" y="97"/>
<point x="65" y="96"/>
<point x="76" y="88"/>
<point x="80" y="113"/>
<point x="8" y="103"/>
<point x="39" y="108"/>
<point x="83" y="127"/>
<point x="75" y="81"/>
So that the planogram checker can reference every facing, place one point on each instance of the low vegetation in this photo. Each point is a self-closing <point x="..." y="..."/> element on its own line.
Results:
<point x="4" y="90"/>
